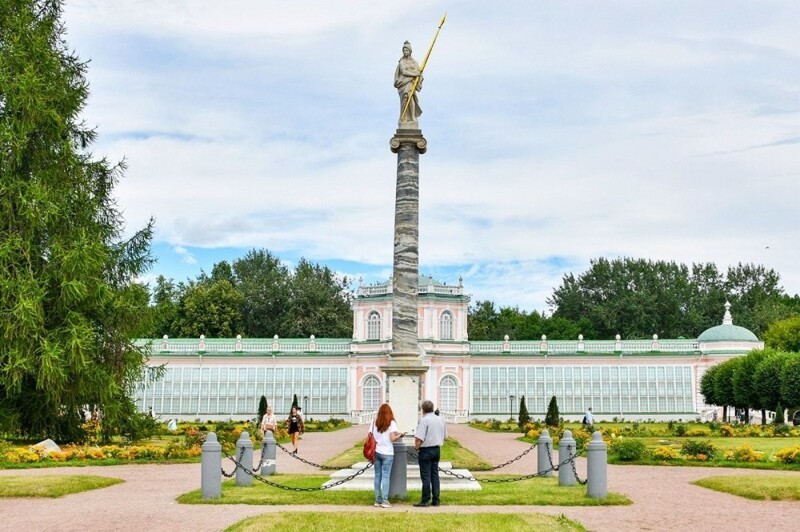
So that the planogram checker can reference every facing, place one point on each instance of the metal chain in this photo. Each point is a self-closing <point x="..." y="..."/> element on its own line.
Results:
<point x="226" y="475"/>
<point x="502" y="480"/>
<point x="572" y="461"/>
<point x="529" y="449"/>
<point x="290" y="453"/>
<point x="293" y="488"/>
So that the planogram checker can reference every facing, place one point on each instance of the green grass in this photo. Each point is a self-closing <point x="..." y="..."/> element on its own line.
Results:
<point x="418" y="521"/>
<point x="452" y="451"/>
<point x="756" y="487"/>
<point x="52" y="486"/>
<point x="537" y="491"/>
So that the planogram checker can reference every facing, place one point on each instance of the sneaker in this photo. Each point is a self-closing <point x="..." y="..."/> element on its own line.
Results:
<point x="377" y="505"/>
<point x="386" y="505"/>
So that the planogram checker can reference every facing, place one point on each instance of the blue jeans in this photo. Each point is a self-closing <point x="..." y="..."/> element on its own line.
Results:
<point x="429" y="473"/>
<point x="383" y="469"/>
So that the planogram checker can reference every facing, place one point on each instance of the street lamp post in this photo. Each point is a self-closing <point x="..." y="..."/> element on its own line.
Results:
<point x="511" y="405"/>
<point x="305" y="406"/>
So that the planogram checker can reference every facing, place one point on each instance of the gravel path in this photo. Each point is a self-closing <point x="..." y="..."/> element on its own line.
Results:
<point x="663" y="497"/>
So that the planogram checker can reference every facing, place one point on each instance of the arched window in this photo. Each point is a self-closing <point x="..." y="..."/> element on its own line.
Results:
<point x="372" y="393"/>
<point x="374" y="326"/>
<point x="446" y="326"/>
<point x="448" y="394"/>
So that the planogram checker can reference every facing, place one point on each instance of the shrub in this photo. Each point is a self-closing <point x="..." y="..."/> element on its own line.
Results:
<point x="552" y="417"/>
<point x="628" y="450"/>
<point x="666" y="453"/>
<point x="743" y="453"/>
<point x="789" y="455"/>
<point x="698" y="450"/>
<point x="680" y="429"/>
<point x="698" y="433"/>
<point x="524" y="416"/>
<point x="533" y="434"/>
<point x="726" y="431"/>
<point x="779" y="420"/>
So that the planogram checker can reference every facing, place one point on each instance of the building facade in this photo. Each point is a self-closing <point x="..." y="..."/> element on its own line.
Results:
<point x="212" y="379"/>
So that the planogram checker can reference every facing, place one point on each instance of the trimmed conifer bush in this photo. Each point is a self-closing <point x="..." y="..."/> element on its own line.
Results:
<point x="552" y="417"/>
<point x="524" y="417"/>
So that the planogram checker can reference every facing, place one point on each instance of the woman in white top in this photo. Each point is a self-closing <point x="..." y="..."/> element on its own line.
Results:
<point x="268" y="422"/>
<point x="384" y="430"/>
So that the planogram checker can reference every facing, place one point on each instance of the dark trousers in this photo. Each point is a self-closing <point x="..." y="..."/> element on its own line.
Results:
<point x="429" y="473"/>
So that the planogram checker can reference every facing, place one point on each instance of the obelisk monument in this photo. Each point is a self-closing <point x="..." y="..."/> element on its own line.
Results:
<point x="405" y="369"/>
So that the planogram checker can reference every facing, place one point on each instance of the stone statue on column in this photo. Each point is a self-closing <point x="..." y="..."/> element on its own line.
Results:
<point x="408" y="82"/>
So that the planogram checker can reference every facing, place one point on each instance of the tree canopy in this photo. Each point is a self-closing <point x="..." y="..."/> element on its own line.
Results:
<point x="68" y="298"/>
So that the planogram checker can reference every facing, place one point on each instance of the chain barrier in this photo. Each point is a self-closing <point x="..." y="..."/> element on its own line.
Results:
<point x="226" y="475"/>
<point x="570" y="460"/>
<point x="529" y="449"/>
<point x="294" y="488"/>
<point x="574" y="471"/>
<point x="293" y="455"/>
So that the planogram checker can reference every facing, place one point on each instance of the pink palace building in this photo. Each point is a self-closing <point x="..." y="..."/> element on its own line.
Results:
<point x="224" y="378"/>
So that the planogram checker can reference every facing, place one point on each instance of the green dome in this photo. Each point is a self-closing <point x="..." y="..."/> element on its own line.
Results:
<point x="727" y="333"/>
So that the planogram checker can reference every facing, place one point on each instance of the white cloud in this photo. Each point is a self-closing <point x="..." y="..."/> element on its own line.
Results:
<point x="655" y="130"/>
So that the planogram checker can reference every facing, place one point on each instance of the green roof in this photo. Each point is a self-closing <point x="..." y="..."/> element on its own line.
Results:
<point x="727" y="333"/>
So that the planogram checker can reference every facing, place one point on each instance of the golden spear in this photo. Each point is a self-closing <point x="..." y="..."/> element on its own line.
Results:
<point x="422" y="68"/>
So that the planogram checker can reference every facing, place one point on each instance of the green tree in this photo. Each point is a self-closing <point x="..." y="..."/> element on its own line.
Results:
<point x="319" y="303"/>
<point x="767" y="378"/>
<point x="211" y="308"/>
<point x="264" y="284"/>
<point x="165" y="315"/>
<point x="790" y="382"/>
<point x="262" y="408"/>
<point x="294" y="401"/>
<point x="784" y="335"/>
<point x="779" y="419"/>
<point x="68" y="300"/>
<point x="551" y="419"/>
<point x="744" y="389"/>
<point x="708" y="386"/>
<point x="481" y="319"/>
<point x="524" y="416"/>
<point x="723" y="385"/>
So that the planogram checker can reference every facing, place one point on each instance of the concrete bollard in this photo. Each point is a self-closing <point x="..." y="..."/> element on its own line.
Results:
<point x="398" y="485"/>
<point x="269" y="449"/>
<point x="566" y="448"/>
<point x="597" y="467"/>
<point x="244" y="453"/>
<point x="544" y="450"/>
<point x="211" y="468"/>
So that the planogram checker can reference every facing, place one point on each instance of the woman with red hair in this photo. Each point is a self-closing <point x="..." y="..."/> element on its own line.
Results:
<point x="384" y="430"/>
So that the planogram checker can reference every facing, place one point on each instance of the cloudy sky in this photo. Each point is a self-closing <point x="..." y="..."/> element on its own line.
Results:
<point x="557" y="132"/>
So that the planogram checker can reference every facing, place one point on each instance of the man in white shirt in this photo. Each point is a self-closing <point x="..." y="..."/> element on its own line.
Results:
<point x="588" y="418"/>
<point x="428" y="439"/>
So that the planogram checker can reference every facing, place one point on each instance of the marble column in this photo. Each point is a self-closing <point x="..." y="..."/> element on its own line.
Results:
<point x="405" y="368"/>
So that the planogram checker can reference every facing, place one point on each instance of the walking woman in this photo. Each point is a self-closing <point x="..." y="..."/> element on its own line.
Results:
<point x="294" y="424"/>
<point x="384" y="430"/>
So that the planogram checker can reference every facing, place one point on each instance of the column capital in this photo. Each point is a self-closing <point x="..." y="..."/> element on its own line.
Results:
<point x="408" y="136"/>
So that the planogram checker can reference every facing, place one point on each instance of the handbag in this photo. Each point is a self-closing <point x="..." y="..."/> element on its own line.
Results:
<point x="369" y="447"/>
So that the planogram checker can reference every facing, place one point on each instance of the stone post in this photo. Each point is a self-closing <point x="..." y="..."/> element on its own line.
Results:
<point x="211" y="468"/>
<point x="566" y="448"/>
<point x="405" y="369"/>
<point x="244" y="449"/>
<point x="544" y="449"/>
<point x="398" y="485"/>
<point x="269" y="448"/>
<point x="597" y="467"/>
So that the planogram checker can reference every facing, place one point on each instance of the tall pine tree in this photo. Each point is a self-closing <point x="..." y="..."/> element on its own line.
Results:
<point x="68" y="299"/>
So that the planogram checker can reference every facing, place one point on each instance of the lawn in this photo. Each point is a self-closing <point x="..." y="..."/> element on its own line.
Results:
<point x="418" y="521"/>
<point x="52" y="486"/>
<point x="756" y="487"/>
<point x="536" y="491"/>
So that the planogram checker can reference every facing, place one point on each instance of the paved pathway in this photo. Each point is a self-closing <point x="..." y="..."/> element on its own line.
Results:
<point x="663" y="497"/>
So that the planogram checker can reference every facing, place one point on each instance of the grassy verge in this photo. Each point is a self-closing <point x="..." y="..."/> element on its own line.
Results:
<point x="422" y="522"/>
<point x="452" y="451"/>
<point x="760" y="488"/>
<point x="536" y="491"/>
<point x="52" y="486"/>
